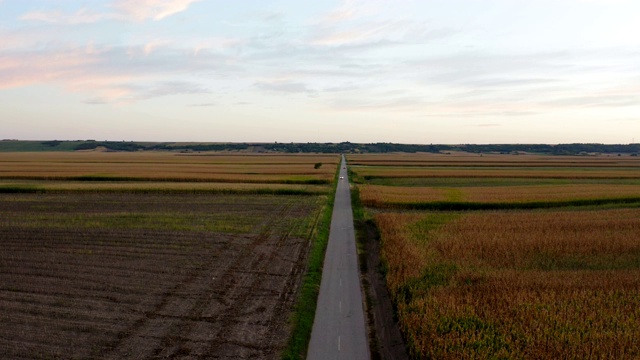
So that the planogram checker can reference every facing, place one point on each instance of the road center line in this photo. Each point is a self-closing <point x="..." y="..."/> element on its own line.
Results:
<point x="338" y="343"/>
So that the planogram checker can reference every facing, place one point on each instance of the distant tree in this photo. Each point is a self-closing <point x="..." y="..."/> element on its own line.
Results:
<point x="52" y="143"/>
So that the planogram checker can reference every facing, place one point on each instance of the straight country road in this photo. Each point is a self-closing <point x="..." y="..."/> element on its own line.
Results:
<point x="339" y="330"/>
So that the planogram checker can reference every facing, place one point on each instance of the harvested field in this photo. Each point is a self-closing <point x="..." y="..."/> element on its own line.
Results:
<point x="129" y="275"/>
<point x="531" y="285"/>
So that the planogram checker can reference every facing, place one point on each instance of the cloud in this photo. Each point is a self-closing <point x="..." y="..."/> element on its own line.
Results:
<point x="380" y="103"/>
<point x="203" y="105"/>
<point x="284" y="86"/>
<point x="144" y="92"/>
<point x="110" y="73"/>
<point x="141" y="10"/>
<point x="596" y="100"/>
<point x="379" y="32"/>
<point x="153" y="45"/>
<point x="82" y="16"/>
<point x="122" y="10"/>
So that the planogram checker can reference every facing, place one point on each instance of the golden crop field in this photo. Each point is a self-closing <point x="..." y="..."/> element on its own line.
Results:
<point x="531" y="285"/>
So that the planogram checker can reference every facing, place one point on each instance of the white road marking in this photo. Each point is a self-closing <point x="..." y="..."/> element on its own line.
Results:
<point x="340" y="281"/>
<point x="338" y="343"/>
<point x="340" y="305"/>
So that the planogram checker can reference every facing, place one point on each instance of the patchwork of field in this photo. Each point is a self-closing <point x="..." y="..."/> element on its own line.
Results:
<point x="559" y="280"/>
<point x="153" y="269"/>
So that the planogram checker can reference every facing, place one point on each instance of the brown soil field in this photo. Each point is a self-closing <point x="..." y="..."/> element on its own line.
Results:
<point x="147" y="276"/>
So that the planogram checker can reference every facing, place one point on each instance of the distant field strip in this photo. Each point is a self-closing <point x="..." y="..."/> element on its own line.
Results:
<point x="443" y="182"/>
<point x="372" y="172"/>
<point x="16" y="186"/>
<point x="492" y="160"/>
<point x="389" y="196"/>
<point x="531" y="285"/>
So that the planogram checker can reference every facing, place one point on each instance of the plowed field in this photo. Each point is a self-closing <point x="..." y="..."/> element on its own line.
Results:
<point x="126" y="275"/>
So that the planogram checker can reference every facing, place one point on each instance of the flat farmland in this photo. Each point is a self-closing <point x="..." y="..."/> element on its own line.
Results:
<point x="557" y="280"/>
<point x="138" y="269"/>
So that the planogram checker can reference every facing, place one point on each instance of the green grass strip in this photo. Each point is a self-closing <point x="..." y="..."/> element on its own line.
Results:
<point x="305" y="307"/>
<point x="20" y="189"/>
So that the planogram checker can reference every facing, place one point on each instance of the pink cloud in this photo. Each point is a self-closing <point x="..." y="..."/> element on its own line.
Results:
<point x="70" y="69"/>
<point x="141" y="10"/>
<point x="103" y="73"/>
<point x="137" y="10"/>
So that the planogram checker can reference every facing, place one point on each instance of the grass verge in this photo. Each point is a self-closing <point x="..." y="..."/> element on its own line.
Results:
<point x="360" y="227"/>
<point x="305" y="308"/>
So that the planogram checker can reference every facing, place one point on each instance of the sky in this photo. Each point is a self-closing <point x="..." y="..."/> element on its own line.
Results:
<point x="402" y="71"/>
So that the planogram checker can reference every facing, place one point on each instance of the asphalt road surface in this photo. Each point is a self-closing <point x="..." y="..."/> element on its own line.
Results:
<point x="339" y="328"/>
